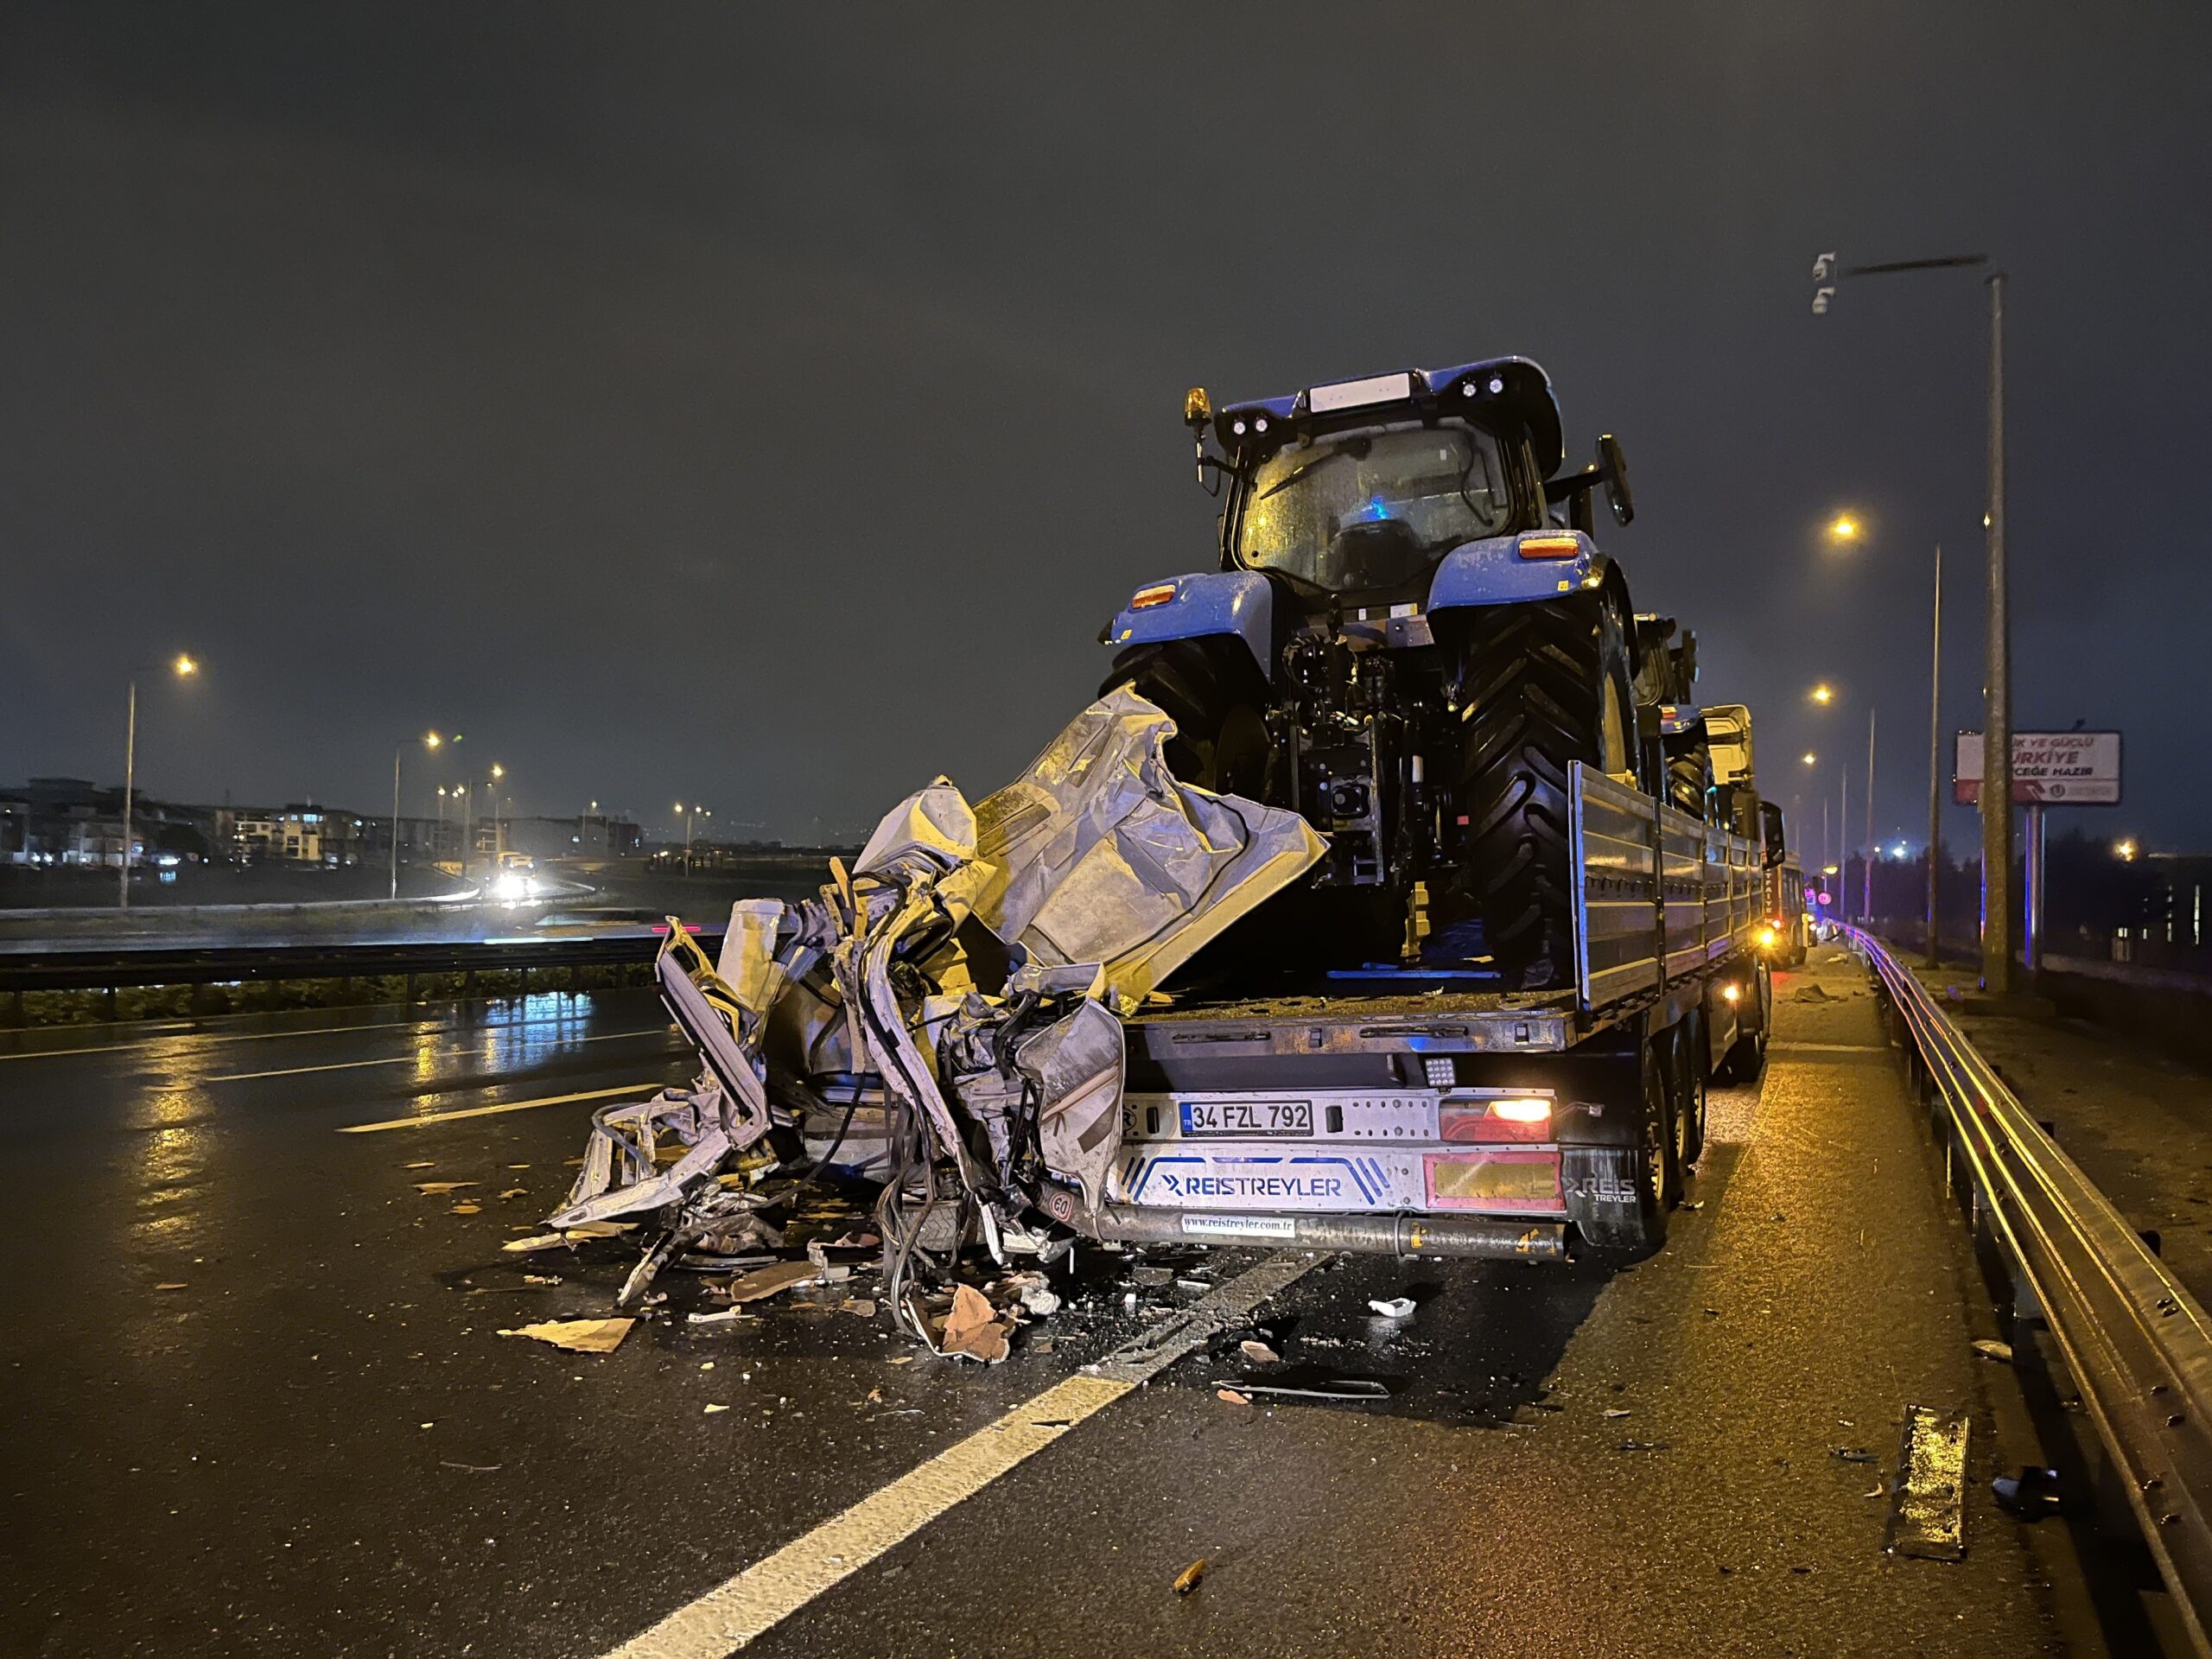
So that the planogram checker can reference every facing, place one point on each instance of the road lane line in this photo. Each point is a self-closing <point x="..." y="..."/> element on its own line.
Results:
<point x="641" y="1090"/>
<point x="743" y="1608"/>
<point x="211" y="1038"/>
<point x="412" y="1059"/>
<point x="1827" y="1048"/>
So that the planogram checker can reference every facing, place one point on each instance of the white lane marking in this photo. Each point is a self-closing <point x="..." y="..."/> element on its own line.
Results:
<point x="410" y="1060"/>
<point x="741" y="1609"/>
<point x="212" y="1038"/>
<point x="637" y="1089"/>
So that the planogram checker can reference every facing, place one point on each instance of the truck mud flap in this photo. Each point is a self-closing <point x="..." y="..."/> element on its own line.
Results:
<point x="1600" y="1184"/>
<point x="1391" y="1235"/>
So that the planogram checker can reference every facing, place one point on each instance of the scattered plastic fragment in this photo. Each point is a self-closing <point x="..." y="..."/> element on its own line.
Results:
<point x="1187" y="1579"/>
<point x="438" y="1189"/>
<point x="541" y="1278"/>
<point x="577" y="1336"/>
<point x="771" y="1282"/>
<point x="174" y="1284"/>
<point x="711" y="1409"/>
<point x="421" y="1163"/>
<point x="861" y="1305"/>
<point x="469" y="1209"/>
<point x="514" y="1192"/>
<point x="1232" y="1397"/>
<point x="1999" y="1351"/>
<point x="973" y="1328"/>
<point x="1342" y="1388"/>
<point x="1852" y="1454"/>
<point x="2031" y="1494"/>
<point x="1394" y="1308"/>
<point x="1259" y="1353"/>
<point x="535" y="1242"/>
<point x="1617" y="1411"/>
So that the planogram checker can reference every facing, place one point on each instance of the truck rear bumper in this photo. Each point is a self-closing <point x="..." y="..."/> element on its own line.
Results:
<point x="1401" y="1234"/>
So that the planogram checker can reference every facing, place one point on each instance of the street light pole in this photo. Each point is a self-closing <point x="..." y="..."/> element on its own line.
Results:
<point x="1936" y="761"/>
<point x="1866" y="902"/>
<point x="395" y="820"/>
<point x="130" y="781"/>
<point x="1997" y="722"/>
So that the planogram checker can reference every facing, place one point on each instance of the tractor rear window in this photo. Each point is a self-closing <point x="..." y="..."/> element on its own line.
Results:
<point x="1373" y="508"/>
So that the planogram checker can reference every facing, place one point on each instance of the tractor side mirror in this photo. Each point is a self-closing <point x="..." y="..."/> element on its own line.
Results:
<point x="1777" y="847"/>
<point x="1614" y="466"/>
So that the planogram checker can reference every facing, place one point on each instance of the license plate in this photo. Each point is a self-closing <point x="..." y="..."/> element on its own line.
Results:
<point x="1248" y="1118"/>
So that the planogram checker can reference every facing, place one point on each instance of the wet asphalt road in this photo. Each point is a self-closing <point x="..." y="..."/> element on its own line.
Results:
<point x="257" y="1401"/>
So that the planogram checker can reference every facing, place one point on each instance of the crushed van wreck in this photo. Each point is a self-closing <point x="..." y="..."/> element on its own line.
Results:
<point x="943" y="1021"/>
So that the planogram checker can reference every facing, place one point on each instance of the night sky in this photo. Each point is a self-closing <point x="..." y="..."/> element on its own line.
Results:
<point x="768" y="408"/>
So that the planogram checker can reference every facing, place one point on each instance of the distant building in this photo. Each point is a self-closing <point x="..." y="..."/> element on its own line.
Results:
<point x="73" y="823"/>
<point x="304" y="833"/>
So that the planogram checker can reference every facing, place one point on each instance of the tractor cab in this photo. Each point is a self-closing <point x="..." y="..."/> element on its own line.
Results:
<point x="1357" y="491"/>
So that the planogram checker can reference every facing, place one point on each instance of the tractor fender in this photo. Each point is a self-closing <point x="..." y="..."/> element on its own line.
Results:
<point x="1492" y="572"/>
<point x="1209" y="602"/>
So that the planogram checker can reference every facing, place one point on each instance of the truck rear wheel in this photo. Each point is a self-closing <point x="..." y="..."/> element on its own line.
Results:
<point x="1542" y="685"/>
<point x="1213" y="690"/>
<point x="1638" y="1228"/>
<point x="1692" y="1066"/>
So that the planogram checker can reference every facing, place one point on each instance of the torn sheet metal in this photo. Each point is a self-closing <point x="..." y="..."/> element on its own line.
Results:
<point x="941" y="1015"/>
<point x="1099" y="855"/>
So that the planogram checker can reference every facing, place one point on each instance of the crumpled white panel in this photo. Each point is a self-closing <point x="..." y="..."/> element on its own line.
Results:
<point x="1099" y="855"/>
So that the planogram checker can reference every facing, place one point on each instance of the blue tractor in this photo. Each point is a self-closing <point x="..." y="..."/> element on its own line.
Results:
<point x="1410" y="637"/>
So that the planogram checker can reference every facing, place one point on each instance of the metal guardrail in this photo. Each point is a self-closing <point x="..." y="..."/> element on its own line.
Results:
<point x="107" y="969"/>
<point x="2136" y="1342"/>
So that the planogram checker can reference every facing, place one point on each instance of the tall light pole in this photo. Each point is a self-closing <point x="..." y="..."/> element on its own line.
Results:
<point x="689" y="815"/>
<point x="1997" y="932"/>
<point x="1935" y="763"/>
<point x="184" y="668"/>
<point x="498" y="840"/>
<point x="1867" y="902"/>
<point x="431" y="741"/>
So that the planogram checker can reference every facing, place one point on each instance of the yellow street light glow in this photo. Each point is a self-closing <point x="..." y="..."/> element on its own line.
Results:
<point x="1845" y="529"/>
<point x="679" y="806"/>
<point x="499" y="771"/>
<point x="1828" y="870"/>
<point x="2127" y="850"/>
<point x="431" y="740"/>
<point x="185" y="666"/>
<point x="1810" y="758"/>
<point x="1823" y="693"/>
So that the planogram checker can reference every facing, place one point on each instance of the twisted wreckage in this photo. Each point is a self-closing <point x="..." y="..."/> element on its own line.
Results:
<point x="944" y="1019"/>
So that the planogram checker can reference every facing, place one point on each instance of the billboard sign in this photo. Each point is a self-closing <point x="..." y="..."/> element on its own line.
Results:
<point x="2049" y="769"/>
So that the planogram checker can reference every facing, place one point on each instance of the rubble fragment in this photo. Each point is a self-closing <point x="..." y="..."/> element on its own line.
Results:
<point x="577" y="1336"/>
<point x="973" y="1328"/>
<point x="1187" y="1579"/>
<point x="1395" y="1307"/>
<point x="771" y="1282"/>
<point x="1999" y="1351"/>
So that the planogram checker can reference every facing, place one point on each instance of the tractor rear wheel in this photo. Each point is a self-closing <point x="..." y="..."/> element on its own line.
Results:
<point x="1540" y="686"/>
<point x="1689" y="776"/>
<point x="1213" y="690"/>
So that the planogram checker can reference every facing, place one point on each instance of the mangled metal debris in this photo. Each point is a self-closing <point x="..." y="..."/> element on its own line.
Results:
<point x="942" y="1022"/>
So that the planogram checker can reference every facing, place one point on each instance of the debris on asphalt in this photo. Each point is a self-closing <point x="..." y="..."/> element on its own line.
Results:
<point x="421" y="1163"/>
<point x="2031" y="1495"/>
<point x="709" y="1410"/>
<point x="1187" y="1579"/>
<point x="771" y="1282"/>
<point x="1394" y="1308"/>
<point x="1232" y="1395"/>
<point x="1927" y="1494"/>
<point x="174" y="1284"/>
<point x="1852" y="1454"/>
<point x="1644" y="1445"/>
<point x="438" y="1189"/>
<point x="1259" y="1353"/>
<point x="1999" y="1351"/>
<point x="514" y="1192"/>
<point x="1616" y="1411"/>
<point x="973" y="1327"/>
<point x="1813" y="991"/>
<point x="1341" y="1387"/>
<point x="577" y="1336"/>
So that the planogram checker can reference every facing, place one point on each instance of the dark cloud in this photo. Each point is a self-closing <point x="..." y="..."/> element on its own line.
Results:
<point x="767" y="407"/>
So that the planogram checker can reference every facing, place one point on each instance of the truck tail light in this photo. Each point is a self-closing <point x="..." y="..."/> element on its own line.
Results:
<point x="1550" y="547"/>
<point x="1516" y="1109"/>
<point x="1146" y="598"/>
<point x="1499" y="1117"/>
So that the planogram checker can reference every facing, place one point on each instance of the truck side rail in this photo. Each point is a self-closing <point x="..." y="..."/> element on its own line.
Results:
<point x="2136" y="1342"/>
<point x="1658" y="894"/>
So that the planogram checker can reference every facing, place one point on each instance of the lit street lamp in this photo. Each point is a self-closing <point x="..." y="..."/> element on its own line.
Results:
<point x="689" y="815"/>
<point x="1996" y="971"/>
<point x="431" y="741"/>
<point x="184" y="668"/>
<point x="1845" y="531"/>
